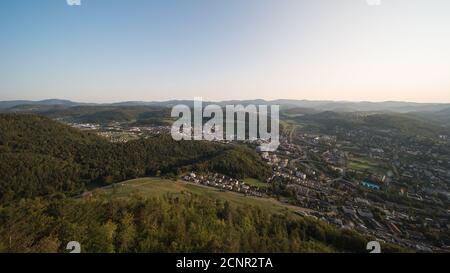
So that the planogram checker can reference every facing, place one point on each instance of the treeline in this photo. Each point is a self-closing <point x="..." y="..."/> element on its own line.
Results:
<point x="42" y="157"/>
<point x="105" y="114"/>
<point x="171" y="223"/>
<point x="403" y="125"/>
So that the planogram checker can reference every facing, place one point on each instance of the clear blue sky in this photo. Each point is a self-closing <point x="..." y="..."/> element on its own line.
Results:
<point x="116" y="50"/>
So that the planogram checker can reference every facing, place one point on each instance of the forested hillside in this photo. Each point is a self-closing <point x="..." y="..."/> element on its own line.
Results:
<point x="405" y="125"/>
<point x="102" y="114"/>
<point x="182" y="223"/>
<point x="41" y="157"/>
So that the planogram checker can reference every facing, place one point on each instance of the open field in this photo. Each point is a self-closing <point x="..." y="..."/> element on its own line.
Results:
<point x="362" y="164"/>
<point x="256" y="183"/>
<point x="154" y="187"/>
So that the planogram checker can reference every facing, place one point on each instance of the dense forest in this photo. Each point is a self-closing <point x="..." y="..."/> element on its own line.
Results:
<point x="181" y="223"/>
<point x="404" y="125"/>
<point x="97" y="114"/>
<point x="42" y="157"/>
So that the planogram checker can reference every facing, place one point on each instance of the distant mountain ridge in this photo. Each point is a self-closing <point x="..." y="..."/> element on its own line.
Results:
<point x="440" y="116"/>
<point x="325" y="105"/>
<point x="15" y="103"/>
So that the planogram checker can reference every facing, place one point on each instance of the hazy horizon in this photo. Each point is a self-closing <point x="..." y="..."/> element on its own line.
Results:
<point x="225" y="50"/>
<point x="208" y="100"/>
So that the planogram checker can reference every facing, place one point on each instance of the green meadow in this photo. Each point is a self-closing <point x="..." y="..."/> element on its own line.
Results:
<point x="155" y="187"/>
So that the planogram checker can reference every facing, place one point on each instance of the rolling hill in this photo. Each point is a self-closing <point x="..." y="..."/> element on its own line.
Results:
<point x="407" y="125"/>
<point x="321" y="105"/>
<point x="42" y="157"/>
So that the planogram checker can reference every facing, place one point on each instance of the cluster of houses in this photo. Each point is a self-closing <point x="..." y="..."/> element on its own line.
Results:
<point x="119" y="133"/>
<point x="223" y="182"/>
<point x="273" y="160"/>
<point x="337" y="200"/>
<point x="84" y="126"/>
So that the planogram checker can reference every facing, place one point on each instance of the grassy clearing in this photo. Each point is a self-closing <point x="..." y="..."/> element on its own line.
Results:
<point x="361" y="164"/>
<point x="154" y="187"/>
<point x="256" y="183"/>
